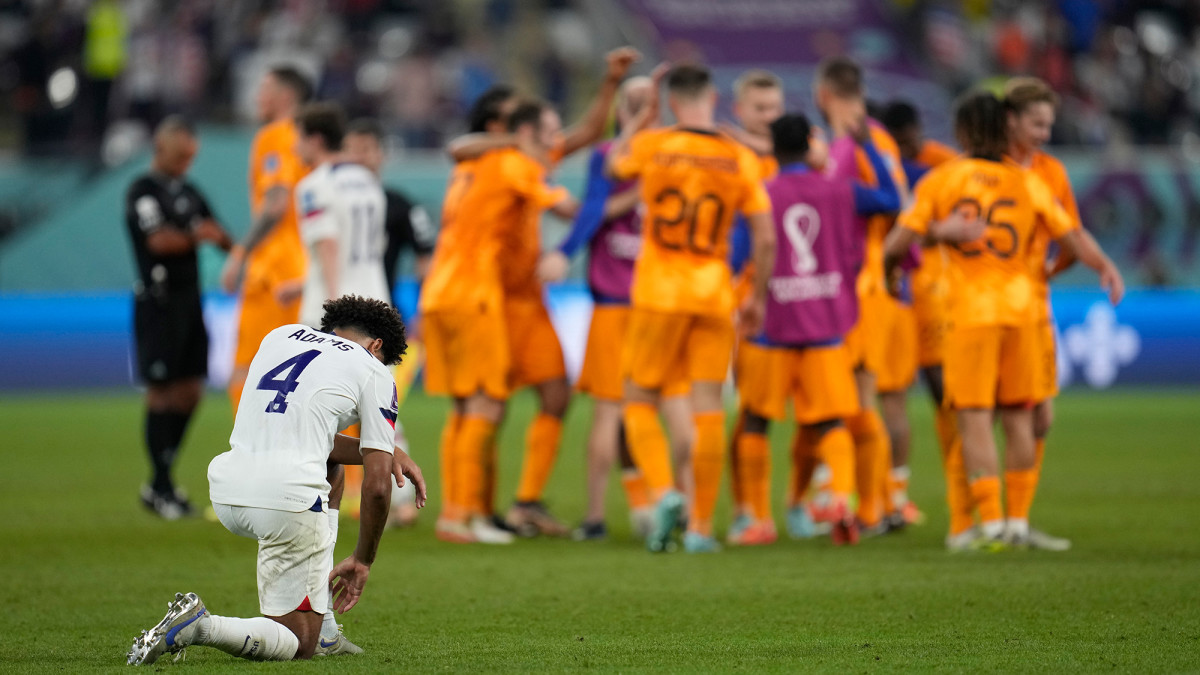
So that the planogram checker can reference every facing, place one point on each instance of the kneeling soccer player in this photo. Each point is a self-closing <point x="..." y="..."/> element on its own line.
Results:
<point x="271" y="485"/>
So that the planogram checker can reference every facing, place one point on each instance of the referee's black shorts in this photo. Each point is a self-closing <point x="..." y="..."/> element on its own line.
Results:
<point x="169" y="333"/>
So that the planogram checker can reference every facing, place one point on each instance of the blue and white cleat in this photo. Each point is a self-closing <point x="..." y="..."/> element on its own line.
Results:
<point x="173" y="634"/>
<point x="666" y="516"/>
<point x="800" y="524"/>
<point x="338" y="645"/>
<point x="738" y="528"/>
<point x="694" y="542"/>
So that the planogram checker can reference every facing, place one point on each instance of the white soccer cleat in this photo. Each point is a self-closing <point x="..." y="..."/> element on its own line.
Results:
<point x="336" y="646"/>
<point x="485" y="532"/>
<point x="172" y="635"/>
<point x="641" y="521"/>
<point x="963" y="541"/>
<point x="1040" y="541"/>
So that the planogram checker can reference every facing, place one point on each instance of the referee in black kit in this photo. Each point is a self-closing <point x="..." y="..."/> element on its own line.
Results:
<point x="168" y="218"/>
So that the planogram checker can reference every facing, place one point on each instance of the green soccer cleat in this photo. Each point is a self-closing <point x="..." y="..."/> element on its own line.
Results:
<point x="694" y="542"/>
<point x="666" y="516"/>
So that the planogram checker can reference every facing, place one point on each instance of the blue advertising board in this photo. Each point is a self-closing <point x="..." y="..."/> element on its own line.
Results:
<point x="83" y="340"/>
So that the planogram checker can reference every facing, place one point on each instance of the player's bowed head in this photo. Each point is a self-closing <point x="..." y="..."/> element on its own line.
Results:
<point x="374" y="324"/>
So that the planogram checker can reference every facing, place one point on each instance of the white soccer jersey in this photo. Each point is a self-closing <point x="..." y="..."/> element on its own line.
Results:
<point x="345" y="203"/>
<point x="303" y="387"/>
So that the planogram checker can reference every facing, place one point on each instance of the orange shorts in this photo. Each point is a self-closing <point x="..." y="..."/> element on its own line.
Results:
<point x="1047" y="386"/>
<point x="898" y="347"/>
<point x="861" y="343"/>
<point x="929" y="304"/>
<point x="466" y="353"/>
<point x="819" y="380"/>
<point x="536" y="354"/>
<point x="260" y="314"/>
<point x="986" y="366"/>
<point x="600" y="376"/>
<point x="665" y="347"/>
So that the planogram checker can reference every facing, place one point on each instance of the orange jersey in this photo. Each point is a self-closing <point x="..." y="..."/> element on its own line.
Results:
<point x="990" y="280"/>
<point x="486" y="198"/>
<point x="1054" y="175"/>
<point x="933" y="153"/>
<point x="521" y="234"/>
<point x="744" y="284"/>
<point x="280" y="256"/>
<point x="692" y="183"/>
<point x="870" y="279"/>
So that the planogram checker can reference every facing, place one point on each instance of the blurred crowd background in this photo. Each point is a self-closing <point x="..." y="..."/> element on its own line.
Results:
<point x="78" y="73"/>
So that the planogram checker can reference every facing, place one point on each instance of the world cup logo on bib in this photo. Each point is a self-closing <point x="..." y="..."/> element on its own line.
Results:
<point x="801" y="225"/>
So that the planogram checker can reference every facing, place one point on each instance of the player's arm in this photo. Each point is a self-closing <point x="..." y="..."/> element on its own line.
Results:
<point x="555" y="263"/>
<point x="590" y="128"/>
<point x="169" y="241"/>
<point x="350" y="576"/>
<point x="760" y="146"/>
<point x="896" y="247"/>
<point x="621" y="162"/>
<point x="274" y="206"/>
<point x="472" y="146"/>
<point x="882" y="199"/>
<point x="762" y="233"/>
<point x="1085" y="248"/>
<point x="621" y="203"/>
<point x="424" y="239"/>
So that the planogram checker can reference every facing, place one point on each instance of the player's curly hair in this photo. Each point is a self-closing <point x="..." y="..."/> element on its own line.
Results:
<point x="981" y="125"/>
<point x="373" y="318"/>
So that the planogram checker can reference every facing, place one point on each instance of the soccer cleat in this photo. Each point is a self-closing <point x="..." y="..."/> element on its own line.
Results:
<point x="800" y="523"/>
<point x="963" y="541"/>
<point x="453" y="531"/>
<point x="529" y="519"/>
<point x="338" y="645"/>
<point x="740" y="524"/>
<point x="846" y="531"/>
<point x="912" y="515"/>
<point x="694" y="542"/>
<point x="1040" y="541"/>
<point x="485" y="533"/>
<point x="641" y="521"/>
<point x="985" y="543"/>
<point x="666" y="516"/>
<point x="761" y="533"/>
<point x="586" y="531"/>
<point x="166" y="506"/>
<point x="171" y="635"/>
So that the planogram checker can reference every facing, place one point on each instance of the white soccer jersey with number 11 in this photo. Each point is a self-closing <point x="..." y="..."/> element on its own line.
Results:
<point x="343" y="203"/>
<point x="303" y="387"/>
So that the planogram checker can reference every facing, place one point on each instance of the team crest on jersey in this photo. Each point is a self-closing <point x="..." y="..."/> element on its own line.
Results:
<point x="308" y="204"/>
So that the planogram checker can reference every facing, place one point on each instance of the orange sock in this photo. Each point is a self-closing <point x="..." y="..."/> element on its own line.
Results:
<point x="754" y="465"/>
<point x="1019" y="489"/>
<point x="707" y="459"/>
<point x="541" y="449"/>
<point x="985" y="492"/>
<point x="648" y="447"/>
<point x="737" y="479"/>
<point x="472" y="441"/>
<point x="872" y="456"/>
<point x="958" y="492"/>
<point x="636" y="490"/>
<point x="451" y="506"/>
<point x="836" y="449"/>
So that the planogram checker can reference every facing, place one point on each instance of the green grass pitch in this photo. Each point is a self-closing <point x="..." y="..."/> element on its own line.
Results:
<point x="86" y="569"/>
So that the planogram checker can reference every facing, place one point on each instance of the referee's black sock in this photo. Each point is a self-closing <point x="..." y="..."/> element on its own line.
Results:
<point x="164" y="434"/>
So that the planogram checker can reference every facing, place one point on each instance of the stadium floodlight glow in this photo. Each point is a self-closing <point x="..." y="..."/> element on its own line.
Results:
<point x="62" y="87"/>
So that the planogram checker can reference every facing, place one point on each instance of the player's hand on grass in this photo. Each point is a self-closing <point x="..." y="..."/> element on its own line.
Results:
<point x="1112" y="281"/>
<point x="403" y="465"/>
<point x="553" y="267"/>
<point x="619" y="61"/>
<point x="290" y="291"/>
<point x="348" y="578"/>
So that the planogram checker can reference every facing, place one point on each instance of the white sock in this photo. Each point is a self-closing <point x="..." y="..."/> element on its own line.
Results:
<point x="1018" y="527"/>
<point x="329" y="629"/>
<point x="992" y="528"/>
<point x="257" y="639"/>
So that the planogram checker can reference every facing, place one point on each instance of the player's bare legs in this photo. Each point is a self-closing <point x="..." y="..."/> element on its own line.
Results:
<point x="603" y="439"/>
<point x="1043" y="419"/>
<point x="1019" y="475"/>
<point x="958" y="492"/>
<point x="529" y="516"/>
<point x="752" y="448"/>
<point x="677" y="412"/>
<point x="465" y="449"/>
<point x="169" y="408"/>
<point x="831" y="442"/>
<point x="306" y="626"/>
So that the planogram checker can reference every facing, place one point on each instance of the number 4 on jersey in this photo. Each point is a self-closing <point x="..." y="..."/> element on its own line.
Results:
<point x="282" y="387"/>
